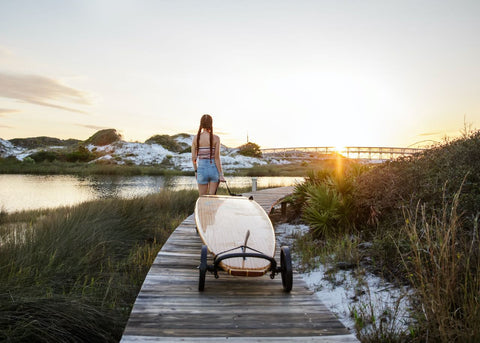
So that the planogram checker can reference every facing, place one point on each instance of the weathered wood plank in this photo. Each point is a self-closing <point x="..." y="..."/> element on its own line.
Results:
<point x="151" y="307"/>
<point x="169" y="307"/>
<point x="306" y="339"/>
<point x="213" y="331"/>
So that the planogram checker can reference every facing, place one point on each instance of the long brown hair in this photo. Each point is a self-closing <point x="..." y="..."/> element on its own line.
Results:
<point x="206" y="122"/>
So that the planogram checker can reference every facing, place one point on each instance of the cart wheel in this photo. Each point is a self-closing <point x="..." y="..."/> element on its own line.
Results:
<point x="286" y="267"/>
<point x="202" y="268"/>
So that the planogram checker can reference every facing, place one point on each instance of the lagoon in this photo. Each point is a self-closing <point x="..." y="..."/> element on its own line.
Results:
<point x="26" y="192"/>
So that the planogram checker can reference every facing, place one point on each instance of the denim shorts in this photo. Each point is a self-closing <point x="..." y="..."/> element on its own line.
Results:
<point x="206" y="171"/>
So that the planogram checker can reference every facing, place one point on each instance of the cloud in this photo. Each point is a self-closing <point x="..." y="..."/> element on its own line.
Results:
<point x="5" y="52"/>
<point x="41" y="90"/>
<point x="430" y="133"/>
<point x="95" y="127"/>
<point x="223" y="133"/>
<point x="7" y="111"/>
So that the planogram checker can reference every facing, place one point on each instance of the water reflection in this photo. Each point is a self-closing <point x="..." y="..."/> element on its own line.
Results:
<point x="20" y="192"/>
<point x="125" y="186"/>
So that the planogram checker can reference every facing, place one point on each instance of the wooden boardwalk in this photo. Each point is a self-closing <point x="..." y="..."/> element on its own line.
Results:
<point x="169" y="307"/>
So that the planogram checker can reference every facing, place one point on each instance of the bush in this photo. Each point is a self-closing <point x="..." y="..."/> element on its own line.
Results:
<point x="327" y="203"/>
<point x="41" y="156"/>
<point x="428" y="177"/>
<point x="167" y="142"/>
<point x="250" y="149"/>
<point x="43" y="142"/>
<point x="82" y="154"/>
<point x="104" y="137"/>
<point x="28" y="160"/>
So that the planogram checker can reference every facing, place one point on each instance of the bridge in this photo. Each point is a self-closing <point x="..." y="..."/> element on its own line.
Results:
<point x="367" y="153"/>
<point x="169" y="307"/>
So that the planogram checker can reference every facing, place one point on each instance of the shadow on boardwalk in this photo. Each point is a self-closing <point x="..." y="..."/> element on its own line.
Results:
<point x="169" y="307"/>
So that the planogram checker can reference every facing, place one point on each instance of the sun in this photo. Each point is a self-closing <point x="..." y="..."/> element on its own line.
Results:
<point x="339" y="149"/>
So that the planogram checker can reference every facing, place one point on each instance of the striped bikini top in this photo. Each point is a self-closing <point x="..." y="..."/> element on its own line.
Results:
<point x="204" y="153"/>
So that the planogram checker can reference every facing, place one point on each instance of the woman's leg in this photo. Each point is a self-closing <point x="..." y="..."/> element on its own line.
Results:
<point x="202" y="177"/>
<point x="212" y="188"/>
<point x="202" y="189"/>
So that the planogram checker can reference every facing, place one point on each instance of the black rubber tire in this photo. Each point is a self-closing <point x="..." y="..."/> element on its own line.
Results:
<point x="202" y="268"/>
<point x="286" y="267"/>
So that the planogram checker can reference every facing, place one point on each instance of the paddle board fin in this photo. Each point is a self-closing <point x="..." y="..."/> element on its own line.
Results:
<point x="246" y="237"/>
<point x="244" y="248"/>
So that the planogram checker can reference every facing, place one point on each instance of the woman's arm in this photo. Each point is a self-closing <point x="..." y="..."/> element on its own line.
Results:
<point x="218" y="162"/>
<point x="194" y="153"/>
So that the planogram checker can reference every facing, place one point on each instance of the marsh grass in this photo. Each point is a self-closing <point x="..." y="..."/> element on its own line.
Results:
<point x="294" y="168"/>
<point x="3" y="215"/>
<point x="28" y="166"/>
<point x="13" y="166"/>
<point x="443" y="265"/>
<point x="75" y="272"/>
<point x="222" y="189"/>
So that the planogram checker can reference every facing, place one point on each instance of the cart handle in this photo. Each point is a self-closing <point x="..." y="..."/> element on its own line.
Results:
<point x="230" y="192"/>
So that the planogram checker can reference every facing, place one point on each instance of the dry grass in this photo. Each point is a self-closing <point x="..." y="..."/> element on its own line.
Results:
<point x="443" y="265"/>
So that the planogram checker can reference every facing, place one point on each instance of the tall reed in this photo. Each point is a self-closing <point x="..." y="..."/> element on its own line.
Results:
<point x="443" y="265"/>
<point x="74" y="272"/>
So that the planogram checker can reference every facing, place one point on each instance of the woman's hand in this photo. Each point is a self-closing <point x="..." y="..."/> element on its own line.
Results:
<point x="222" y="178"/>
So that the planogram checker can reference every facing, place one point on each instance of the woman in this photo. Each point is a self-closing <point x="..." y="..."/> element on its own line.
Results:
<point x="206" y="158"/>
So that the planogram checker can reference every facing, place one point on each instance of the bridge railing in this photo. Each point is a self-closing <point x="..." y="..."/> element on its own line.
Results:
<point x="369" y="153"/>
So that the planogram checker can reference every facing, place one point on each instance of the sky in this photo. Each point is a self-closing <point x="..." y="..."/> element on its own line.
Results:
<point x="282" y="73"/>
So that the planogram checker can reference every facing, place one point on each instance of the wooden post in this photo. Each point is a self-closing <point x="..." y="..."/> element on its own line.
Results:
<point x="254" y="184"/>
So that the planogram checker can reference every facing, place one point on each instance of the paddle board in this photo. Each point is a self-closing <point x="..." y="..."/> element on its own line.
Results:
<point x="223" y="223"/>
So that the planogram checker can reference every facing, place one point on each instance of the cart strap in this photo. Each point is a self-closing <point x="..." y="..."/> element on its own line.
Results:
<point x="243" y="247"/>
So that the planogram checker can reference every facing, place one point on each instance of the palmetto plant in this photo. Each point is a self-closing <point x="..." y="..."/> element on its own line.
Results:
<point x="325" y="199"/>
<point x="328" y="206"/>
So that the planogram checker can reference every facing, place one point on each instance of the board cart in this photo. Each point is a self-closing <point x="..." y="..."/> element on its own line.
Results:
<point x="239" y="234"/>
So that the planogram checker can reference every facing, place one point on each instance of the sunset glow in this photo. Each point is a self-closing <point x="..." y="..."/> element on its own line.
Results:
<point x="340" y="149"/>
<point x="285" y="73"/>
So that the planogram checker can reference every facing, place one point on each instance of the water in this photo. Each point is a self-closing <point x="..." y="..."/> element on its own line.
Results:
<point x="24" y="192"/>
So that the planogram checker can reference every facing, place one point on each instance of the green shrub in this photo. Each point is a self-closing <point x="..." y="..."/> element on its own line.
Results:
<point x="428" y="177"/>
<point x="250" y="149"/>
<point x="312" y="179"/>
<point x="44" y="156"/>
<point x="82" y="154"/>
<point x="43" y="142"/>
<point x="28" y="160"/>
<point x="325" y="200"/>
<point x="166" y="141"/>
<point x="104" y="137"/>
<point x="327" y="210"/>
